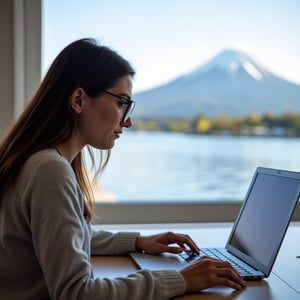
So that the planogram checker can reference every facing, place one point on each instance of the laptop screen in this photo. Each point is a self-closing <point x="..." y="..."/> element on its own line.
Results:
<point x="264" y="217"/>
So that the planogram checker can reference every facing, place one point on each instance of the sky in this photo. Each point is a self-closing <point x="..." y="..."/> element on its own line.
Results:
<point x="164" y="39"/>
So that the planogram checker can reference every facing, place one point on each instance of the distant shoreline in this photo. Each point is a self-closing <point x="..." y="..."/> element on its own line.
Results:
<point x="285" y="125"/>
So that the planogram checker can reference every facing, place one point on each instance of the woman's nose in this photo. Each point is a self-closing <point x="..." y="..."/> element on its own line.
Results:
<point x="128" y="123"/>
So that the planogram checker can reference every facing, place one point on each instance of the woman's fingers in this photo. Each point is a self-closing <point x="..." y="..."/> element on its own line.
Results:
<point x="183" y="240"/>
<point x="162" y="242"/>
<point x="206" y="272"/>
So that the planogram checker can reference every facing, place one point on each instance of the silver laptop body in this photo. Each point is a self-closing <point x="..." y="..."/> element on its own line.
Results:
<point x="258" y="230"/>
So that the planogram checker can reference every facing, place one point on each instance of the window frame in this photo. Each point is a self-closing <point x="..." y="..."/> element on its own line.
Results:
<point x="27" y="41"/>
<point x="170" y="212"/>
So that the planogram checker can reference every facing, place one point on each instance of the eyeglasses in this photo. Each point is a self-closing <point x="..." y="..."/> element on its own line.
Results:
<point x="128" y="104"/>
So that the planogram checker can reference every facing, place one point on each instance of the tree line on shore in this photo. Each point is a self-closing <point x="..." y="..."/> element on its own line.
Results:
<point x="286" y="124"/>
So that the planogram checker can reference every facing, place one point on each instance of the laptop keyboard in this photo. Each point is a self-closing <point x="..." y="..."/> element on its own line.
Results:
<point x="216" y="254"/>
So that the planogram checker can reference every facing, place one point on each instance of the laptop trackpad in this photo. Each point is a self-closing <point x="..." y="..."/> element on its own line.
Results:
<point x="164" y="261"/>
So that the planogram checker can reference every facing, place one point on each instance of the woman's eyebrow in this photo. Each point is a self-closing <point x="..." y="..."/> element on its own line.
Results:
<point x="124" y="95"/>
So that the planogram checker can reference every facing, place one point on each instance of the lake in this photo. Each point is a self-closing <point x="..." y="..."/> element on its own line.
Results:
<point x="156" y="166"/>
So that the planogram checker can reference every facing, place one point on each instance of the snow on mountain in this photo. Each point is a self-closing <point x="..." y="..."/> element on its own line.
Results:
<point x="231" y="62"/>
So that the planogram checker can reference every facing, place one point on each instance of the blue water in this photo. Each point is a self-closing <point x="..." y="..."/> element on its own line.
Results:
<point x="174" y="166"/>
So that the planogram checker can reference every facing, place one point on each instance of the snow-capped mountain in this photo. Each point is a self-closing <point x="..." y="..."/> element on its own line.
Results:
<point x="232" y="63"/>
<point x="232" y="83"/>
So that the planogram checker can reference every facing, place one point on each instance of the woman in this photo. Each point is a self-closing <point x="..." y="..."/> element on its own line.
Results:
<point x="46" y="207"/>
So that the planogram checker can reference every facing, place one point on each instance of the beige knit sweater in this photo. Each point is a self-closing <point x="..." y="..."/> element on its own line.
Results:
<point x="45" y="242"/>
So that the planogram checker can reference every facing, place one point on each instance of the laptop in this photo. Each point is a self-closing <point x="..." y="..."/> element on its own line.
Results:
<point x="257" y="233"/>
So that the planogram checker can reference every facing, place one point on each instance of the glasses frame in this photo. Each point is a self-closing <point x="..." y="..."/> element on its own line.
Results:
<point x="127" y="101"/>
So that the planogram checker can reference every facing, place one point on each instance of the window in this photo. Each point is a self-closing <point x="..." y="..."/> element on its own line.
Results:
<point x="206" y="158"/>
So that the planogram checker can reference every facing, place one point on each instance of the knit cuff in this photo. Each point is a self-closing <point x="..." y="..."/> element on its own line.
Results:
<point x="171" y="283"/>
<point x="125" y="242"/>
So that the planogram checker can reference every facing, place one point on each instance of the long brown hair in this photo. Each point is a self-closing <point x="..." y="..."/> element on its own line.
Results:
<point x="48" y="120"/>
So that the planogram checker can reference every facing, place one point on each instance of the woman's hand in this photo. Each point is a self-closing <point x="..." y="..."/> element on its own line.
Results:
<point x="207" y="272"/>
<point x="158" y="243"/>
<point x="201" y="274"/>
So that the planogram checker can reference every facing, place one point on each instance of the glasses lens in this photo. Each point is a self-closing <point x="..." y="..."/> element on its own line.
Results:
<point x="129" y="111"/>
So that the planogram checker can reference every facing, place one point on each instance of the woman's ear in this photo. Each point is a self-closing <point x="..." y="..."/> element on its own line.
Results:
<point x="77" y="100"/>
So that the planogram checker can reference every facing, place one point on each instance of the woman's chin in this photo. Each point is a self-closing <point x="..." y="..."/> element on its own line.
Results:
<point x="107" y="146"/>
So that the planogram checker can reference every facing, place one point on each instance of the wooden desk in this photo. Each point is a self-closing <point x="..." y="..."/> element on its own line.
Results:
<point x="283" y="283"/>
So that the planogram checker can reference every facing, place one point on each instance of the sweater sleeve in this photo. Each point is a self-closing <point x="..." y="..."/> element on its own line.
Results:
<point x="107" y="243"/>
<point x="61" y="240"/>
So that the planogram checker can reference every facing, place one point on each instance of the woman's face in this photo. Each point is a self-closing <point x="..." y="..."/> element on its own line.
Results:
<point x="100" y="121"/>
